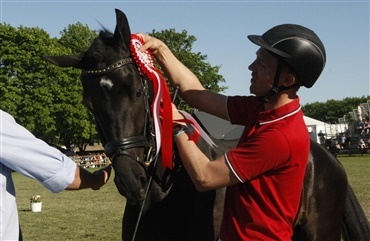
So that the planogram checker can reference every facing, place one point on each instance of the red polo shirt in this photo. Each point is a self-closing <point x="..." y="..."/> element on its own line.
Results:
<point x="270" y="162"/>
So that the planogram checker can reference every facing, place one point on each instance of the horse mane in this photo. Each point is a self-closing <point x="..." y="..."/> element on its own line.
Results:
<point x="105" y="33"/>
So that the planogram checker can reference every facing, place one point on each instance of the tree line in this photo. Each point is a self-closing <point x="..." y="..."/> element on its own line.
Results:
<point x="47" y="100"/>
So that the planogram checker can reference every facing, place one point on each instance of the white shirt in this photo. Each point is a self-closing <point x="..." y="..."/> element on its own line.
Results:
<point x="24" y="153"/>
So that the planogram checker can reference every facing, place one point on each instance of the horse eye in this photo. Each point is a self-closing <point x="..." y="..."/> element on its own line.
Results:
<point x="139" y="92"/>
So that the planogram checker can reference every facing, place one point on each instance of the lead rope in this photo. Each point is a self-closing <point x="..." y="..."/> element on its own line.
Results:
<point x="142" y="205"/>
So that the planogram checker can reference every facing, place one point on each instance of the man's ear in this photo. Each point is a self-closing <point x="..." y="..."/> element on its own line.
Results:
<point x="290" y="79"/>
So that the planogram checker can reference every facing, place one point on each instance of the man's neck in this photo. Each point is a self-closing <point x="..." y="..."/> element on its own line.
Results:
<point x="280" y="99"/>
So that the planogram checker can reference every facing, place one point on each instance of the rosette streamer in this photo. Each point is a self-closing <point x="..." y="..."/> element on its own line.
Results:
<point x="198" y="130"/>
<point x="161" y="105"/>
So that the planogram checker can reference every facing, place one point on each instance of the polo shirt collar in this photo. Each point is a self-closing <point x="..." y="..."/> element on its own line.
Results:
<point x="269" y="116"/>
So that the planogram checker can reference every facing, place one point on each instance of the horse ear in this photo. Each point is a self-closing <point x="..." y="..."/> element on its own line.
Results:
<point x="122" y="33"/>
<point x="65" y="60"/>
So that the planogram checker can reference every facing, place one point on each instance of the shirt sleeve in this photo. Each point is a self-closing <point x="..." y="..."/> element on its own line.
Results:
<point x="260" y="154"/>
<point x="24" y="153"/>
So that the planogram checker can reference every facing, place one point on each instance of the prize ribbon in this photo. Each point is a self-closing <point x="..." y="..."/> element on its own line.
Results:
<point x="161" y="106"/>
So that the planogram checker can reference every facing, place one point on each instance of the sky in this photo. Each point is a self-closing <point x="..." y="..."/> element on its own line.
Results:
<point x="221" y="29"/>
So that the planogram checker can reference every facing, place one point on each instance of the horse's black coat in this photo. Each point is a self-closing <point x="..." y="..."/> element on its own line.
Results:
<point x="117" y="99"/>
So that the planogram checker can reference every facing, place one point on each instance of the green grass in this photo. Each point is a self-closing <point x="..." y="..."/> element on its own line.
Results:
<point x="70" y="215"/>
<point x="97" y="215"/>
<point x="358" y="173"/>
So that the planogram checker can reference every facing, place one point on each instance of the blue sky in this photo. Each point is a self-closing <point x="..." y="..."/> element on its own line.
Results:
<point x="221" y="29"/>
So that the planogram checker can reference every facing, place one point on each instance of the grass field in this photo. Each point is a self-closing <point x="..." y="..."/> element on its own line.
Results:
<point x="97" y="215"/>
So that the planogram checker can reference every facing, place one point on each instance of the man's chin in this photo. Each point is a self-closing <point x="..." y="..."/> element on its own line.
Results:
<point x="251" y="91"/>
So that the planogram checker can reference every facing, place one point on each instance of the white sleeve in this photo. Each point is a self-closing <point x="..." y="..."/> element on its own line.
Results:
<point x="23" y="152"/>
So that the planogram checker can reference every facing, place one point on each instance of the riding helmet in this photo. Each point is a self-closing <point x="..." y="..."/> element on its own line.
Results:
<point x="298" y="46"/>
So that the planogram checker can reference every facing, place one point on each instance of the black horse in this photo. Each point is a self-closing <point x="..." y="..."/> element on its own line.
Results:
<point x="168" y="207"/>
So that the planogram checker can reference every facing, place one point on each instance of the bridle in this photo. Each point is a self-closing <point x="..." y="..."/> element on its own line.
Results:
<point x="120" y="147"/>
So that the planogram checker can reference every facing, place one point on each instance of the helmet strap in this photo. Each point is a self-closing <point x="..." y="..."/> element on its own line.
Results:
<point x="275" y="87"/>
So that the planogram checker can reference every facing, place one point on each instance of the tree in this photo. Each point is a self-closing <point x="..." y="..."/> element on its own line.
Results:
<point x="25" y="94"/>
<point x="43" y="98"/>
<point x="77" y="37"/>
<point x="181" y="46"/>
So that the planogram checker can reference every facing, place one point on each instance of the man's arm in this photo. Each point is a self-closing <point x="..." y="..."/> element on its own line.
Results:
<point x="191" y="90"/>
<point x="205" y="174"/>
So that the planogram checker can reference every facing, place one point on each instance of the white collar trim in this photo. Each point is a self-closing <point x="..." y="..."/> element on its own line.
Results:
<point x="280" y="118"/>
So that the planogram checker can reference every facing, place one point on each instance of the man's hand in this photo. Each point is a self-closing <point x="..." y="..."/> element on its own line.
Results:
<point x="85" y="179"/>
<point x="102" y="176"/>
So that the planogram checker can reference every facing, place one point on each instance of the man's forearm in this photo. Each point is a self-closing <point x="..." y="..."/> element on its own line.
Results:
<point x="177" y="72"/>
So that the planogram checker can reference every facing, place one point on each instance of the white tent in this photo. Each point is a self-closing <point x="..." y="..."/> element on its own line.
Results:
<point x="315" y="127"/>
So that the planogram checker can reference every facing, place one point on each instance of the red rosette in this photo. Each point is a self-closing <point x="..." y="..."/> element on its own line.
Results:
<point x="162" y="99"/>
<point x="143" y="60"/>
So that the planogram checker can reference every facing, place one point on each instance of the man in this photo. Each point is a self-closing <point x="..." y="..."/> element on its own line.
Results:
<point x="264" y="173"/>
<point x="24" y="153"/>
<point x="359" y="112"/>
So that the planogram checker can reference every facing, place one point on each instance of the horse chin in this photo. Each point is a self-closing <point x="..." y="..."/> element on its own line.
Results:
<point x="133" y="195"/>
<point x="134" y="202"/>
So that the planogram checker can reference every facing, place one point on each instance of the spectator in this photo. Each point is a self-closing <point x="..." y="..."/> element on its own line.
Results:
<point x="322" y="139"/>
<point x="343" y="141"/>
<point x="337" y="148"/>
<point x="361" y="144"/>
<point x="359" y="112"/>
<point x="367" y="117"/>
<point x="366" y="127"/>
<point x="360" y="127"/>
<point x="31" y="157"/>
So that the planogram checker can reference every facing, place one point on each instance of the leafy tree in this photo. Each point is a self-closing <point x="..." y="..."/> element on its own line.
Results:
<point x="77" y="37"/>
<point x="25" y="94"/>
<point x="45" y="99"/>
<point x="181" y="46"/>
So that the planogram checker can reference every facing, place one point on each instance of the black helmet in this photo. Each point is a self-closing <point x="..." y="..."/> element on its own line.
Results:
<point x="298" y="46"/>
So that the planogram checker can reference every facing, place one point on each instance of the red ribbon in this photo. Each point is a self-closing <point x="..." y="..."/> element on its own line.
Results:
<point x="161" y="106"/>
<point x="195" y="136"/>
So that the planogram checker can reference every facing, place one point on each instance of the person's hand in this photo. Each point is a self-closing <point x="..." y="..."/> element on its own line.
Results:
<point x="176" y="115"/>
<point x="151" y="43"/>
<point x="102" y="177"/>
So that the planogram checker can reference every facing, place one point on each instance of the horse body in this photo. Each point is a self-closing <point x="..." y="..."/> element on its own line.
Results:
<point x="119" y="96"/>
<point x="323" y="197"/>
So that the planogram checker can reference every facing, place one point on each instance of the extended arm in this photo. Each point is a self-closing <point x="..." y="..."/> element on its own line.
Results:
<point x="191" y="90"/>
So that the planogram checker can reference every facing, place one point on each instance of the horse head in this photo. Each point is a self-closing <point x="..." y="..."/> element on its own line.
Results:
<point x="118" y="96"/>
